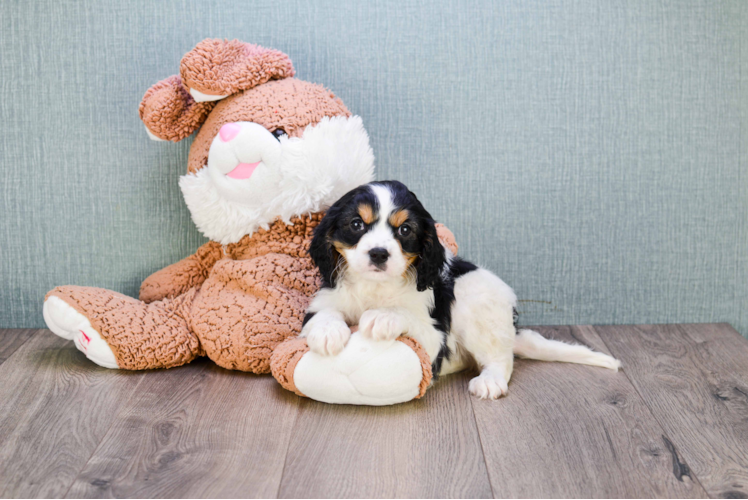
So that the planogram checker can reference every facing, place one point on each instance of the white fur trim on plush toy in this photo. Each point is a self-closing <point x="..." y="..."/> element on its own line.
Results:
<point x="316" y="169"/>
<point x="366" y="372"/>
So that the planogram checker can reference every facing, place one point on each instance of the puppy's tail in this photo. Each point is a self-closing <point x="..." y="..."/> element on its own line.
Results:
<point x="531" y="345"/>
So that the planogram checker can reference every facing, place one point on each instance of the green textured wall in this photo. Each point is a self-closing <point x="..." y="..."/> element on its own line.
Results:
<point x="592" y="153"/>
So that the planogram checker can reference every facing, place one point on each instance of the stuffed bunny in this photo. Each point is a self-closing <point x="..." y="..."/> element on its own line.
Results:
<point x="272" y="152"/>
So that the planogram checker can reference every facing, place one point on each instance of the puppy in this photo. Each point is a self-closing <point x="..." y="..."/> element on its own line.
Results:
<point x="384" y="270"/>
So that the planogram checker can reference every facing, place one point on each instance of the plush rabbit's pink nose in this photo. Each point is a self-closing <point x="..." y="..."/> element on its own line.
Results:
<point x="229" y="131"/>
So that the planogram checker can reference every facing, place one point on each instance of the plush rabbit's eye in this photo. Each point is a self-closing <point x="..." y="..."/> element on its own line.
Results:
<point x="357" y="225"/>
<point x="277" y="133"/>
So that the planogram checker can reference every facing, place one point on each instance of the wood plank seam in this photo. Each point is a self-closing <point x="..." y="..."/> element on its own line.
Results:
<point x="194" y="431"/>
<point x="480" y="440"/>
<point x="114" y="420"/>
<point x="378" y="452"/>
<point x="285" y="458"/>
<point x="59" y="386"/>
<point x="629" y="460"/>
<point x="677" y="460"/>
<point x="482" y="446"/>
<point x="680" y="468"/>
<point x="4" y="357"/>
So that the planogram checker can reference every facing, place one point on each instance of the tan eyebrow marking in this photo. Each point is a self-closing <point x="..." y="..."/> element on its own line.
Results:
<point x="398" y="218"/>
<point x="366" y="212"/>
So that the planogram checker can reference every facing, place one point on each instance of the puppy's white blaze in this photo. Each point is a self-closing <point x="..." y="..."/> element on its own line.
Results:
<point x="386" y="205"/>
<point x="379" y="236"/>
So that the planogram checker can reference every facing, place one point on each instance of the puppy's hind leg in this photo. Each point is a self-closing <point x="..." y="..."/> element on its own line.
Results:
<point x="491" y="348"/>
<point x="483" y="323"/>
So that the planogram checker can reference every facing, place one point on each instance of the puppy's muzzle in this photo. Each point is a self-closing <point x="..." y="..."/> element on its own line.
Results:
<point x="378" y="256"/>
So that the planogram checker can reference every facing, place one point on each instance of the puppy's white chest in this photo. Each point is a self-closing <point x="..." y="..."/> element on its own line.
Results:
<point x="382" y="296"/>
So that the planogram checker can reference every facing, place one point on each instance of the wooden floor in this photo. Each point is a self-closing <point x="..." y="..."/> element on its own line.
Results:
<point x="672" y="423"/>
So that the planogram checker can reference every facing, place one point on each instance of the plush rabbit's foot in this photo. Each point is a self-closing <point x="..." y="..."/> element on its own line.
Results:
<point x="365" y="372"/>
<point x="69" y="324"/>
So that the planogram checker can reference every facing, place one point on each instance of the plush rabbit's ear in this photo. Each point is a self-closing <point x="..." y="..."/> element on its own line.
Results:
<point x="215" y="68"/>
<point x="170" y="113"/>
<point x="446" y="238"/>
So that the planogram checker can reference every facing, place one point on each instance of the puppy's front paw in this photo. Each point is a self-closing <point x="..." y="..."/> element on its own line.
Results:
<point x="327" y="337"/>
<point x="488" y="386"/>
<point x="382" y="324"/>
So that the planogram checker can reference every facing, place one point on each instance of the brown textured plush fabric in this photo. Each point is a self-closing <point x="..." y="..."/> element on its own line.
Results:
<point x="252" y="299"/>
<point x="179" y="277"/>
<point x="234" y="303"/>
<point x="140" y="335"/>
<point x="224" y="67"/>
<point x="249" y="305"/>
<point x="289" y="104"/>
<point x="446" y="238"/>
<point x="284" y="360"/>
<point x="260" y="88"/>
<point x="170" y="112"/>
<point x="425" y="363"/>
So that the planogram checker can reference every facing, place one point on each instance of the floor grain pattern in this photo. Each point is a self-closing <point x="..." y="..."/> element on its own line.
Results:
<point x="56" y="408"/>
<point x="424" y="448"/>
<point x="195" y="431"/>
<point x="673" y="423"/>
<point x="11" y="340"/>
<point x="695" y="380"/>
<point x="575" y="431"/>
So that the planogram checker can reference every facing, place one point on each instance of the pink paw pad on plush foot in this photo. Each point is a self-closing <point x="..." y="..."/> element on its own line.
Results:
<point x="69" y="324"/>
<point x="84" y="339"/>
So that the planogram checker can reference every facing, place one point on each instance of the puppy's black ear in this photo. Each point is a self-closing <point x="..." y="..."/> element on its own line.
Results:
<point x="432" y="258"/>
<point x="321" y="250"/>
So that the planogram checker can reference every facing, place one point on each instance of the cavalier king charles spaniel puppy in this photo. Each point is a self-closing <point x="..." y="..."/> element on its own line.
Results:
<point x="384" y="269"/>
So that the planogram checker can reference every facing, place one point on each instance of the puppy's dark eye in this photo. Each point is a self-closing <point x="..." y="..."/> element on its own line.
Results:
<point x="404" y="230"/>
<point x="357" y="225"/>
<point x="277" y="133"/>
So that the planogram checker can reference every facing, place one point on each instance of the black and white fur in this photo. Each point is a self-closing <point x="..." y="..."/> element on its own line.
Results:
<point x="384" y="269"/>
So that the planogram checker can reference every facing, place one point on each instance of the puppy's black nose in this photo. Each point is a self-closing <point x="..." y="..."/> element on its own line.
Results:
<point x="378" y="255"/>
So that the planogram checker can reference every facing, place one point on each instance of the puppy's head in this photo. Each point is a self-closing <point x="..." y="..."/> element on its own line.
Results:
<point x="378" y="232"/>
